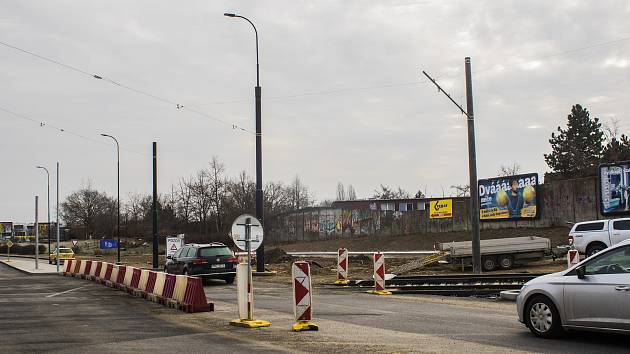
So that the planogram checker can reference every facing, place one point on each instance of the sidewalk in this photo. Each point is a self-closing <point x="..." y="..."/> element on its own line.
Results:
<point x="28" y="265"/>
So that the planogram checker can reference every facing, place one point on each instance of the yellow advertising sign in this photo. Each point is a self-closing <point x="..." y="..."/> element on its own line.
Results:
<point x="441" y="209"/>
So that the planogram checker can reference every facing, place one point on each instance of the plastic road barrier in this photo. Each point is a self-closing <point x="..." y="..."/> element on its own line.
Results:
<point x="140" y="288"/>
<point x="127" y="279"/>
<point x="108" y="274"/>
<point x="96" y="270"/>
<point x="88" y="269"/>
<point x="379" y="275"/>
<point x="103" y="273"/>
<point x="169" y="288"/>
<point x="245" y="297"/>
<point x="158" y="287"/>
<point x="78" y="268"/>
<point x="179" y="290"/>
<point x="302" y="297"/>
<point x="135" y="280"/>
<point x="195" y="298"/>
<point x="573" y="258"/>
<point x="148" y="289"/>
<point x="67" y="267"/>
<point x="342" y="267"/>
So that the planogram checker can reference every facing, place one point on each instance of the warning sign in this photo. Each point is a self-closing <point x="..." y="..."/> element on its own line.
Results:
<point x="173" y="244"/>
<point x="74" y="243"/>
<point x="440" y="209"/>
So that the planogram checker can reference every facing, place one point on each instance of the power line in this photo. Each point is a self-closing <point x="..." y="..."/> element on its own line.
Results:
<point x="43" y="124"/>
<point x="179" y="106"/>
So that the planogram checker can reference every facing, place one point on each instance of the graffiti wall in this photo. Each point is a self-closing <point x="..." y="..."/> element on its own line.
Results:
<point x="560" y="202"/>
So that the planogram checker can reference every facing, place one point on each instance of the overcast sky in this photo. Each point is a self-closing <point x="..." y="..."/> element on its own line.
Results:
<point x="343" y="95"/>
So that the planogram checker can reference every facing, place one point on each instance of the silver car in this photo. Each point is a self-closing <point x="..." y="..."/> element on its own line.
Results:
<point x="592" y="295"/>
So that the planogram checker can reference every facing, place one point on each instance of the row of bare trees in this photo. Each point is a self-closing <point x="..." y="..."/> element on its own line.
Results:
<point x="202" y="205"/>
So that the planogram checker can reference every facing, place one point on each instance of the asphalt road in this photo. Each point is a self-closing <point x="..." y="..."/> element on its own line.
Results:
<point x="58" y="314"/>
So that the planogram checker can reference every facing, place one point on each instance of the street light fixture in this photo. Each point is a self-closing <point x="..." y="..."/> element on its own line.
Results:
<point x="118" y="185"/>
<point x="48" y="193"/>
<point x="260" y="252"/>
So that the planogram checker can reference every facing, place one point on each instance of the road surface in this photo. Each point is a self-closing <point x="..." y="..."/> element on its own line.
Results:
<point x="60" y="314"/>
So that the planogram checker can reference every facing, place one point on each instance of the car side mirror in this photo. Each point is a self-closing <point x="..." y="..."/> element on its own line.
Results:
<point x="581" y="274"/>
<point x="169" y="257"/>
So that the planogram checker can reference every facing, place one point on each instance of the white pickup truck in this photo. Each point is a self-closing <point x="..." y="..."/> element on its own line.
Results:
<point x="590" y="237"/>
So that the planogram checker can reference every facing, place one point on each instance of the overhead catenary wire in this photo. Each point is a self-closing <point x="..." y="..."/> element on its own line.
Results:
<point x="177" y="105"/>
<point x="43" y="124"/>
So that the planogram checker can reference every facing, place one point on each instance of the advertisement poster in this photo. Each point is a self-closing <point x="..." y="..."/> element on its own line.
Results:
<point x="6" y="228"/>
<point x="508" y="198"/>
<point x="614" y="184"/>
<point x="441" y="209"/>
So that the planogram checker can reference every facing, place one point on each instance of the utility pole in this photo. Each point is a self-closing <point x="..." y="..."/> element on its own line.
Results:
<point x="472" y="163"/>
<point x="155" y="212"/>
<point x="472" y="171"/>
<point x="36" y="232"/>
<point x="57" y="248"/>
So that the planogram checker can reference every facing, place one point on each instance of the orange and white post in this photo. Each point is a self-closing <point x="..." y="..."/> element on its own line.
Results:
<point x="379" y="275"/>
<point x="342" y="267"/>
<point x="302" y="297"/>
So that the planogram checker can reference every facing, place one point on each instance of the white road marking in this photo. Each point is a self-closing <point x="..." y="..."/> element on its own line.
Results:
<point x="67" y="291"/>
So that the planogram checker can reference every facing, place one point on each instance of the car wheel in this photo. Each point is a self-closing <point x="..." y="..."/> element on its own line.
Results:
<point x="542" y="318"/>
<point x="595" y="248"/>
<point x="229" y="280"/>
<point x="165" y="270"/>
<point x="506" y="261"/>
<point x="489" y="264"/>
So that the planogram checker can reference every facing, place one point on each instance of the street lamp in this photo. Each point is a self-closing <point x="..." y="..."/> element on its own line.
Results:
<point x="118" y="184"/>
<point x="260" y="252"/>
<point x="48" y="186"/>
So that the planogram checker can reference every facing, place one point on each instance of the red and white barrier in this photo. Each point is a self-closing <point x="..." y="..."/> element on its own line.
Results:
<point x="342" y="267"/>
<point x="573" y="258"/>
<point x="302" y="297"/>
<point x="178" y="291"/>
<point x="379" y="275"/>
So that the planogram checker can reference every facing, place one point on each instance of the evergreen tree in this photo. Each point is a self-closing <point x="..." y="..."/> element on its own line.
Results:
<point x="617" y="149"/>
<point x="579" y="147"/>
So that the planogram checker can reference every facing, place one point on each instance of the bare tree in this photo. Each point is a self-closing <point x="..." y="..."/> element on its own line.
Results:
<point x="201" y="199"/>
<point x="341" y="193"/>
<point x="462" y="190"/>
<point x="352" y="195"/>
<point x="184" y="199"/>
<point x="217" y="189"/>
<point x="386" y="192"/>
<point x="89" y="210"/>
<point x="299" y="194"/>
<point x="509" y="170"/>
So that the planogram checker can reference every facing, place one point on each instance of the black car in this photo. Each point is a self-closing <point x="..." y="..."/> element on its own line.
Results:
<point x="207" y="261"/>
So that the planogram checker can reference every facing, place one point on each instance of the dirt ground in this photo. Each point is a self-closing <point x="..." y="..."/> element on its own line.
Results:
<point x="418" y="242"/>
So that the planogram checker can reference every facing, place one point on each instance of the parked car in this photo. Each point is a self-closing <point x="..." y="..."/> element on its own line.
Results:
<point x="207" y="261"/>
<point x="64" y="254"/>
<point x="592" y="295"/>
<point x="590" y="237"/>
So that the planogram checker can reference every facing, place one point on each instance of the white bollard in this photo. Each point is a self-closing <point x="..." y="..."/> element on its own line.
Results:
<point x="302" y="297"/>
<point x="379" y="275"/>
<point x="245" y="297"/>
<point x="573" y="258"/>
<point x="342" y="267"/>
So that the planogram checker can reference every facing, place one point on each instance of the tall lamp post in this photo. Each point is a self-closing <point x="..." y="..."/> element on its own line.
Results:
<point x="118" y="186"/>
<point x="260" y="252"/>
<point x="48" y="186"/>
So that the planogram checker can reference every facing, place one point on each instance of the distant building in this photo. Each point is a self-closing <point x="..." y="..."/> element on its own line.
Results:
<point x="405" y="204"/>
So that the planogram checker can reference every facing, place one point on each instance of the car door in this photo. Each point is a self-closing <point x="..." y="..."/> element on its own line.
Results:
<point x="180" y="259"/>
<point x="620" y="230"/>
<point x="601" y="298"/>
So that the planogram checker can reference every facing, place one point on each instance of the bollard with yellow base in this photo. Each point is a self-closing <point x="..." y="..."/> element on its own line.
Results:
<point x="342" y="267"/>
<point x="302" y="297"/>
<point x="246" y="300"/>
<point x="379" y="275"/>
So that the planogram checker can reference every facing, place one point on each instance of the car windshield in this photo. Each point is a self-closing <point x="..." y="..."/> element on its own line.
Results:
<point x="65" y="250"/>
<point x="214" y="251"/>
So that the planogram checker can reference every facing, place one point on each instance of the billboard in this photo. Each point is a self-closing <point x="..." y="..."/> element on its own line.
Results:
<point x="107" y="244"/>
<point x="614" y="184"/>
<point x="6" y="228"/>
<point x="441" y="209"/>
<point x="509" y="198"/>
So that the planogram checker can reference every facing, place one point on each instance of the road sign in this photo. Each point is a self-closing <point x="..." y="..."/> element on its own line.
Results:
<point x="238" y="232"/>
<point x="74" y="243"/>
<point x="107" y="244"/>
<point x="173" y="244"/>
<point x="9" y="244"/>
